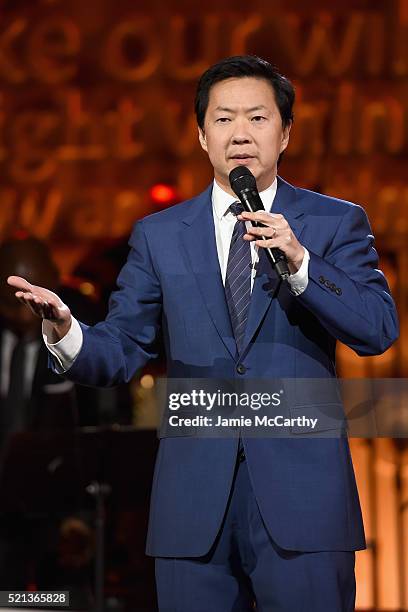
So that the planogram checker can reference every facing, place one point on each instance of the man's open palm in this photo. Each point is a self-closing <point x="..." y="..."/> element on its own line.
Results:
<point x="41" y="301"/>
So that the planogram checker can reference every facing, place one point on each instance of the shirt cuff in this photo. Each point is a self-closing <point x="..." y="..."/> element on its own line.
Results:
<point x="298" y="281"/>
<point x="66" y="350"/>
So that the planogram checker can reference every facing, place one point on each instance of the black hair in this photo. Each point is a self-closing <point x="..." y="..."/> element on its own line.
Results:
<point x="240" y="66"/>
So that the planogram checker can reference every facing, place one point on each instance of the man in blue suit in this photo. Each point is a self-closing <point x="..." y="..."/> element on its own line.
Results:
<point x="238" y="523"/>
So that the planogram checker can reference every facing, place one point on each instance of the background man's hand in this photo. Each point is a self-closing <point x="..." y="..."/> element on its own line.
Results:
<point x="279" y="236"/>
<point x="45" y="304"/>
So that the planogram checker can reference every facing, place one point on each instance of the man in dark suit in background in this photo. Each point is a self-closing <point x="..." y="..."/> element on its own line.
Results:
<point x="274" y="521"/>
<point x="32" y="398"/>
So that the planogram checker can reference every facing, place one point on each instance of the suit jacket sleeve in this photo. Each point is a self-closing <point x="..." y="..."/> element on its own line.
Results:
<point x="116" y="348"/>
<point x="346" y="291"/>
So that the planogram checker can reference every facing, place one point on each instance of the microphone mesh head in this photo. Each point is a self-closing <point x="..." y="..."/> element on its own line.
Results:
<point x="241" y="178"/>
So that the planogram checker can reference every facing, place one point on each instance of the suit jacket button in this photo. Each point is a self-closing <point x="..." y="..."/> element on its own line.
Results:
<point x="338" y="291"/>
<point x="241" y="369"/>
<point x="327" y="283"/>
<point x="321" y="279"/>
<point x="332" y="287"/>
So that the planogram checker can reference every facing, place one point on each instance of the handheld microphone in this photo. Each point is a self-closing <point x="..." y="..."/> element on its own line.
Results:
<point x="243" y="184"/>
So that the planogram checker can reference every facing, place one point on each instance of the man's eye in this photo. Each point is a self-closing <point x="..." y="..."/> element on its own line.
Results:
<point x="258" y="118"/>
<point x="222" y="119"/>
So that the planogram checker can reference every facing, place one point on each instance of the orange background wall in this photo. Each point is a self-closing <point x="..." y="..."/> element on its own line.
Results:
<point x="96" y="107"/>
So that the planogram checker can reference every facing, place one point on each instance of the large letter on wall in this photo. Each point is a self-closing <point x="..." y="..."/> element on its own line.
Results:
<point x="116" y="58"/>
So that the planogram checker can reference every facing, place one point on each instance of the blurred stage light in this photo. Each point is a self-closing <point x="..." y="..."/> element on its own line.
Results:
<point x="163" y="194"/>
<point x="87" y="288"/>
<point x="147" y="381"/>
<point x="20" y="234"/>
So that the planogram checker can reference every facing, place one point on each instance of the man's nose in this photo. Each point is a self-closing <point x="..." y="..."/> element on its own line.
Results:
<point x="240" y="139"/>
<point x="241" y="133"/>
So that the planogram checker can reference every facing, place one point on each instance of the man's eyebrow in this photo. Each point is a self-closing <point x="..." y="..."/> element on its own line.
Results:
<point x="256" y="108"/>
<point x="224" y="109"/>
<point x="248" y="110"/>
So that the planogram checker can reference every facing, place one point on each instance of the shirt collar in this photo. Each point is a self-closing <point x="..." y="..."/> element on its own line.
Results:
<point x="222" y="200"/>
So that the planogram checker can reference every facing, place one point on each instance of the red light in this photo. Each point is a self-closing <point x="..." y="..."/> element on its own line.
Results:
<point x="20" y="235"/>
<point x="163" y="194"/>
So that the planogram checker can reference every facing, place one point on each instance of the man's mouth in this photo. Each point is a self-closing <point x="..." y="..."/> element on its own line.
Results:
<point x="242" y="158"/>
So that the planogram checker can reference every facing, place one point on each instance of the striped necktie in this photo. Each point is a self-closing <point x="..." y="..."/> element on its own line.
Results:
<point x="238" y="278"/>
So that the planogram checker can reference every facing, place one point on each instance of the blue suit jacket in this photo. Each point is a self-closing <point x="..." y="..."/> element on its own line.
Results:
<point x="305" y="487"/>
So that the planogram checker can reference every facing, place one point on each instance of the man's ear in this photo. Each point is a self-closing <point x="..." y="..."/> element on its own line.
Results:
<point x="285" y="137"/>
<point x="202" y="139"/>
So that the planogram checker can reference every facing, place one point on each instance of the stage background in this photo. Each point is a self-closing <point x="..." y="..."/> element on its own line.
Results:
<point x="97" y="129"/>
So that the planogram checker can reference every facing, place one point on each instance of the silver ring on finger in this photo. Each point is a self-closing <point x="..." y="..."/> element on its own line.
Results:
<point x="274" y="232"/>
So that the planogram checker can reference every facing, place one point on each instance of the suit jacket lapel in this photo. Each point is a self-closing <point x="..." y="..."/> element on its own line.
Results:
<point x="266" y="283"/>
<point x="198" y="237"/>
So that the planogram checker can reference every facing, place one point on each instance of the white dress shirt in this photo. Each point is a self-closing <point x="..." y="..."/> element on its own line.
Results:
<point x="224" y="222"/>
<point x="66" y="350"/>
